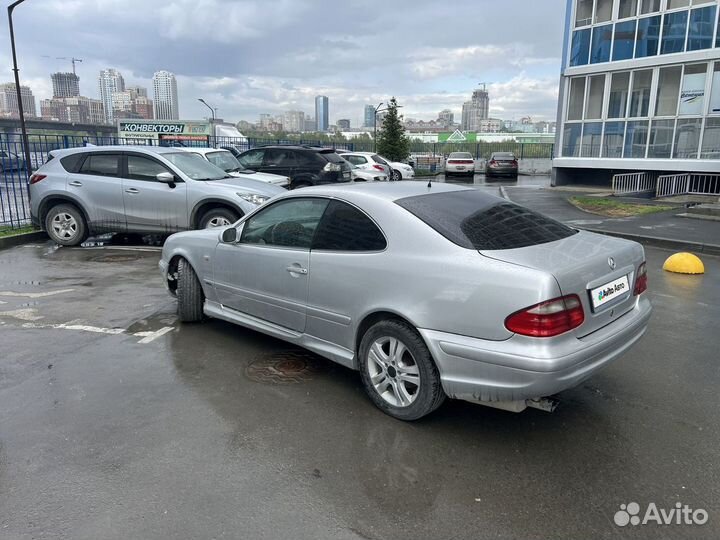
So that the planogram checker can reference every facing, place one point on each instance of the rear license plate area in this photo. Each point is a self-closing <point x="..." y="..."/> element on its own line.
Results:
<point x="613" y="290"/>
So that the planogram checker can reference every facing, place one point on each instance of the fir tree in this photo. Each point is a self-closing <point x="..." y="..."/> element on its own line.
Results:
<point x="392" y="142"/>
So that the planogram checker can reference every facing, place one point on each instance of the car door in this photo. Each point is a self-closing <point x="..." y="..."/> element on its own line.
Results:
<point x="279" y="161"/>
<point x="348" y="263"/>
<point x="98" y="188"/>
<point x="151" y="205"/>
<point x="265" y="273"/>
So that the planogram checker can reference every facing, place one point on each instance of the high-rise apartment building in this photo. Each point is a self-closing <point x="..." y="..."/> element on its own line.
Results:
<point x="80" y="110"/>
<point x="446" y="118"/>
<point x="166" y="96"/>
<point x="369" y="116"/>
<point x="475" y="110"/>
<point x="9" y="102"/>
<point x="294" y="121"/>
<point x="65" y="85"/>
<point x="343" y="124"/>
<point x="322" y="112"/>
<point x="109" y="82"/>
<point x="639" y="89"/>
<point x="132" y="103"/>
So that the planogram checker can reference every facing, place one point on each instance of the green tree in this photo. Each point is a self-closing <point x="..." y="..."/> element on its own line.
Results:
<point x="392" y="142"/>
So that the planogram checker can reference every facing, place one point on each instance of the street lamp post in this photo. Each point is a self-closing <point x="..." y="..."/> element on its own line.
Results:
<point x="201" y="100"/>
<point x="21" y="112"/>
<point x="375" y="126"/>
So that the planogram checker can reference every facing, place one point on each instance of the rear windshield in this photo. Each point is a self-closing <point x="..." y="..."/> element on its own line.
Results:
<point x="330" y="155"/>
<point x="503" y="155"/>
<point x="476" y="220"/>
<point x="460" y="155"/>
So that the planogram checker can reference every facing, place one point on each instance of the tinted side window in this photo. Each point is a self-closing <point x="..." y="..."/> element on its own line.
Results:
<point x="276" y="157"/>
<point x="356" y="160"/>
<point x="289" y="223"/>
<point x="380" y="160"/>
<point x="345" y="228"/>
<point x="72" y="162"/>
<point x="307" y="159"/>
<point x="252" y="158"/>
<point x="141" y="168"/>
<point x="475" y="220"/>
<point x="101" y="164"/>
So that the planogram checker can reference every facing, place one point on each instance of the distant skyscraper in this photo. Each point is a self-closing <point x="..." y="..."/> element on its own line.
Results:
<point x="446" y="118"/>
<point x="294" y="121"/>
<point x="109" y="82"/>
<point x="9" y="102"/>
<point x="475" y="110"/>
<point x="166" y="96"/>
<point x="369" y="116"/>
<point x="343" y="124"/>
<point x="132" y="103"/>
<point x="65" y="85"/>
<point x="322" y="112"/>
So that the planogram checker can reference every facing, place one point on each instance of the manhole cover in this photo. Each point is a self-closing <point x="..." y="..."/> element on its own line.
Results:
<point x="121" y="257"/>
<point x="284" y="367"/>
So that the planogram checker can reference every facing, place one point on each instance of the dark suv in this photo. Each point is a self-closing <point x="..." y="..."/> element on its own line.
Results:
<point x="304" y="165"/>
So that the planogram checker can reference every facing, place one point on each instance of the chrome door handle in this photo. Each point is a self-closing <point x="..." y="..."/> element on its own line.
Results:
<point x="132" y="190"/>
<point x="76" y="183"/>
<point x="297" y="270"/>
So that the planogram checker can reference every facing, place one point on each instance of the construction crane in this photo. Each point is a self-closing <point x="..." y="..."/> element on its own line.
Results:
<point x="72" y="59"/>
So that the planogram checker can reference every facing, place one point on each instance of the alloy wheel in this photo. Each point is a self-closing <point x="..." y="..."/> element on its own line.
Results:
<point x="393" y="371"/>
<point x="64" y="226"/>
<point x="217" y="221"/>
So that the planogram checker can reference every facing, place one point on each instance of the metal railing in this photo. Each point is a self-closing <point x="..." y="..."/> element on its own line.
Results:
<point x="638" y="182"/>
<point x="688" y="184"/>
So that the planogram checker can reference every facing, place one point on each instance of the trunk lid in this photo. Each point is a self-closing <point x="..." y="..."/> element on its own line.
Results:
<point x="582" y="264"/>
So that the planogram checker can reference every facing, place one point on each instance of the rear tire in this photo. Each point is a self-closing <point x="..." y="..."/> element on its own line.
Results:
<point x="391" y="356"/>
<point x="190" y="295"/>
<point x="217" y="217"/>
<point x="65" y="225"/>
<point x="298" y="185"/>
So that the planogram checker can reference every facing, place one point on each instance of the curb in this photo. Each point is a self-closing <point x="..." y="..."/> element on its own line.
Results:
<point x="19" y="239"/>
<point x="655" y="241"/>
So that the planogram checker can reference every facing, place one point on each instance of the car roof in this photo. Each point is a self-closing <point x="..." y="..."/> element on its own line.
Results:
<point x="378" y="190"/>
<point x="362" y="153"/>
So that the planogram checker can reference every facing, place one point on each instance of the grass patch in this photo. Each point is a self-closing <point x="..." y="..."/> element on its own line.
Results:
<point x="7" y="231"/>
<point x="610" y="208"/>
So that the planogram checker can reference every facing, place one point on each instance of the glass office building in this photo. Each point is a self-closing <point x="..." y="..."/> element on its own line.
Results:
<point x="640" y="89"/>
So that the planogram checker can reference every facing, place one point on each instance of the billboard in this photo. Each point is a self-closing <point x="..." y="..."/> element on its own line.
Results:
<point x="457" y="136"/>
<point x="692" y="95"/>
<point x="165" y="130"/>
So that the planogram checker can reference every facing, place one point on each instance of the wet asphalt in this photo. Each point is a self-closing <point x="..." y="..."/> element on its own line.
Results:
<point x="118" y="422"/>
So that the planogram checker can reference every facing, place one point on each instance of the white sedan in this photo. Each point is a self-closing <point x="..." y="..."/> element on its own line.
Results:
<point x="369" y="160"/>
<point x="229" y="163"/>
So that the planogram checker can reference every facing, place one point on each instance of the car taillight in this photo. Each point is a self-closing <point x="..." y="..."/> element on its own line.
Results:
<point x="515" y="162"/>
<point x="35" y="178"/>
<point x="641" y="280"/>
<point x="378" y="167"/>
<point x="332" y="167"/>
<point x="549" y="318"/>
<point x="493" y="162"/>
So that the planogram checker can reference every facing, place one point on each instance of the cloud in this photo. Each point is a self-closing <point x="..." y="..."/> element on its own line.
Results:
<point x="253" y="56"/>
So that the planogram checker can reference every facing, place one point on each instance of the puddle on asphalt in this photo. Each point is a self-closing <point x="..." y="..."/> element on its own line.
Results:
<point x="124" y="239"/>
<point x="154" y="322"/>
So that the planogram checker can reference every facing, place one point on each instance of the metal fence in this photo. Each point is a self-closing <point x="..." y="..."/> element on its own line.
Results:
<point x="630" y="183"/>
<point x="688" y="184"/>
<point x="14" y="172"/>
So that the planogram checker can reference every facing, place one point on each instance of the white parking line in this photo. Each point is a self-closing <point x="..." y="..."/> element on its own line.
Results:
<point x="34" y="294"/>
<point x="152" y="336"/>
<point x="81" y="327"/>
<point x="22" y="314"/>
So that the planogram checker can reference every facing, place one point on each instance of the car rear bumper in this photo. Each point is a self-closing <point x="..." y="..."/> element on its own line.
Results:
<point x="501" y="171"/>
<point x="485" y="371"/>
<point x="459" y="169"/>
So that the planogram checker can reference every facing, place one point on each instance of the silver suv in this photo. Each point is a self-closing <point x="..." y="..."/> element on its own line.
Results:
<point x="84" y="191"/>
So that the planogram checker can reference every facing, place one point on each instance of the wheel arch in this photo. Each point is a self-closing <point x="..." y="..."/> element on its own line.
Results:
<point x="208" y="204"/>
<point x="53" y="200"/>
<point x="372" y="318"/>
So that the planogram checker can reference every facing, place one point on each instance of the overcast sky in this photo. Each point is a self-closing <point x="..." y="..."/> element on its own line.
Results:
<point x="251" y="56"/>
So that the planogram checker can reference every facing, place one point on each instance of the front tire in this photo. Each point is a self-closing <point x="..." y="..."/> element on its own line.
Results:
<point x="217" y="217"/>
<point x="396" y="175"/>
<point x="190" y="296"/>
<point x="66" y="225"/>
<point x="398" y="372"/>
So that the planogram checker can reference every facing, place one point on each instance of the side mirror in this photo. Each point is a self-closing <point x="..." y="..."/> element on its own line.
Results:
<point x="165" y="178"/>
<point x="229" y="235"/>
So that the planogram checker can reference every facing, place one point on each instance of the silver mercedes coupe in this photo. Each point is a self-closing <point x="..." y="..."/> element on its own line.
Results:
<point x="428" y="291"/>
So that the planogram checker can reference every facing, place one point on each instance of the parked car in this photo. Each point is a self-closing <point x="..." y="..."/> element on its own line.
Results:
<point x="501" y="164"/>
<point x="370" y="160"/>
<point x="304" y="165"/>
<point x="101" y="189"/>
<point x="460" y="164"/>
<point x="229" y="163"/>
<point x="362" y="175"/>
<point x="427" y="292"/>
<point x="10" y="161"/>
